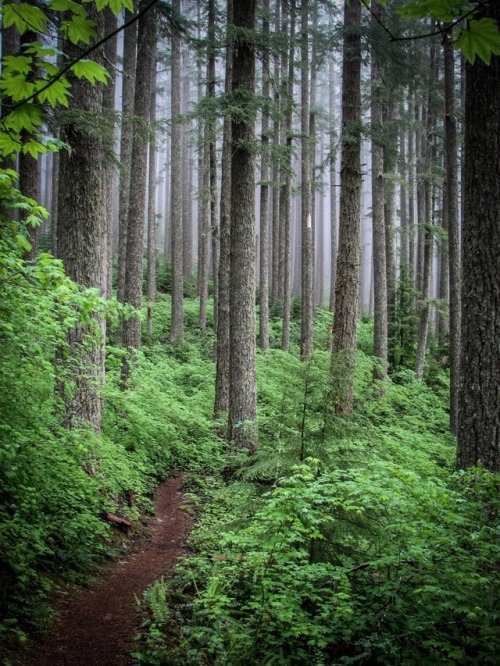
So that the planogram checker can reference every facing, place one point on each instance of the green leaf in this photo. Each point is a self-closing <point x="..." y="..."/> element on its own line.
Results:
<point x="56" y="93"/>
<point x="67" y="5"/>
<point x="26" y="117"/>
<point x="34" y="148"/>
<point x="90" y="70"/>
<point x="116" y="6"/>
<point x="16" y="87"/>
<point x="9" y="144"/>
<point x="24" y="17"/>
<point x="19" y="64"/>
<point x="481" y="39"/>
<point x="78" y="29"/>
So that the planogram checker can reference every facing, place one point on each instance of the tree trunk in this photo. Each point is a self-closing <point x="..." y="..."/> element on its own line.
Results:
<point x="151" y="246"/>
<point x="110" y="55"/>
<point x="275" y="175"/>
<point x="378" y="219"/>
<point x="243" y="391"/>
<point x="264" y="193"/>
<point x="285" y="211"/>
<point x="333" y="185"/>
<point x="348" y="268"/>
<point x="212" y="155"/>
<point x="479" y="412"/>
<point x="426" y="278"/>
<point x="307" y="305"/>
<point x="177" y="319"/>
<point x="223" y="342"/>
<point x="127" y="131"/>
<point x="453" y="230"/>
<point x="79" y="236"/>
<point x="131" y="331"/>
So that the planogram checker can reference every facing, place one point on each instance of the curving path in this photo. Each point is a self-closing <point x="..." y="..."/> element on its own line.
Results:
<point x="98" y="626"/>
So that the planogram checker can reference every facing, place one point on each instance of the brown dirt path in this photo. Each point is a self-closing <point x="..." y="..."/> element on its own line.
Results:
<point x="98" y="626"/>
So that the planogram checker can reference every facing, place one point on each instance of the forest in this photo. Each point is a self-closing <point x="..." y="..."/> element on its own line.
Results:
<point x="249" y="332"/>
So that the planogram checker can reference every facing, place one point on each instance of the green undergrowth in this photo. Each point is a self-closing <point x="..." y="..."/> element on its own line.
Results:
<point x="55" y="484"/>
<point x="343" y="541"/>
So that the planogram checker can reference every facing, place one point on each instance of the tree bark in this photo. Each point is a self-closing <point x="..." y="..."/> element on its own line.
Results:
<point x="285" y="209"/>
<point x="307" y="295"/>
<point x="131" y="331"/>
<point x="479" y="408"/>
<point x="426" y="278"/>
<point x="223" y="341"/>
<point x="151" y="244"/>
<point x="348" y="267"/>
<point x="177" y="319"/>
<point x="378" y="219"/>
<point x="264" y="192"/>
<point x="127" y="131"/>
<point x="243" y="391"/>
<point x="453" y="230"/>
<point x="79" y="235"/>
<point x="333" y="185"/>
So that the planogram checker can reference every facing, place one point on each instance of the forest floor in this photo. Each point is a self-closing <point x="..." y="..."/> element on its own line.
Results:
<point x="97" y="626"/>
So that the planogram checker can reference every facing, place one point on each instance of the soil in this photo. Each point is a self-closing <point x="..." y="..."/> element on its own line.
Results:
<point x="98" y="626"/>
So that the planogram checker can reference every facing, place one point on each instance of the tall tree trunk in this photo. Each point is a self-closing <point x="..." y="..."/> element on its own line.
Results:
<point x="479" y="413"/>
<point x="151" y="245"/>
<point x="285" y="211"/>
<point x="348" y="268"/>
<point x="223" y="341"/>
<point x="146" y="40"/>
<point x="177" y="320"/>
<point x="428" y="235"/>
<point x="110" y="55"/>
<point x="333" y="185"/>
<point x="79" y="235"/>
<point x="378" y="219"/>
<point x="453" y="230"/>
<point x="390" y="157"/>
<point x="127" y="131"/>
<point x="275" y="174"/>
<point x="243" y="391"/>
<point x="264" y="193"/>
<point x="212" y="155"/>
<point x="187" y="214"/>
<point x="307" y="305"/>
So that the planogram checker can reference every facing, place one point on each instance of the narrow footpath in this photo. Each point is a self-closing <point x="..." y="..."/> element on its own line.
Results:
<point x="98" y="626"/>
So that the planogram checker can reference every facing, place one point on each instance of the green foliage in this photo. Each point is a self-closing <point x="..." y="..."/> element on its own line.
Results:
<point x="480" y="37"/>
<point x="342" y="541"/>
<point x="32" y="78"/>
<point x="57" y="482"/>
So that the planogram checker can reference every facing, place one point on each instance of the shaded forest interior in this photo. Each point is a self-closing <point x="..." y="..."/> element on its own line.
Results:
<point x="256" y="243"/>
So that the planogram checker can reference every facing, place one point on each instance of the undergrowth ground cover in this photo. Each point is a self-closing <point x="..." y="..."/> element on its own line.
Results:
<point x="344" y="540"/>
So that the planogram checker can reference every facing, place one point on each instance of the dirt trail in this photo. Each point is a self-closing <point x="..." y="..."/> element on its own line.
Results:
<point x="98" y="626"/>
